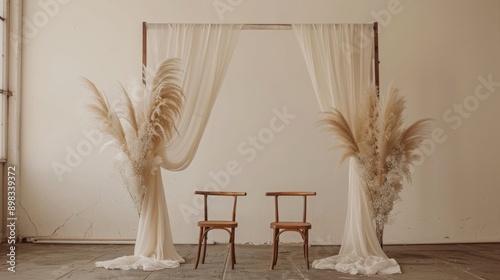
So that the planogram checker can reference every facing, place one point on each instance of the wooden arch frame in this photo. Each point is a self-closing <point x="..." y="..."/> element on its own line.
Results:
<point x="277" y="27"/>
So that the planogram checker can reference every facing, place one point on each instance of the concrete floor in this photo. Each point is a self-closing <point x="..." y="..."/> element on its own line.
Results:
<point x="53" y="261"/>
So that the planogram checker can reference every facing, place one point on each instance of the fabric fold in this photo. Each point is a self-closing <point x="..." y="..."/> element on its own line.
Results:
<point x="154" y="248"/>
<point x="339" y="61"/>
<point x="354" y="264"/>
<point x="206" y="51"/>
<point x="137" y="262"/>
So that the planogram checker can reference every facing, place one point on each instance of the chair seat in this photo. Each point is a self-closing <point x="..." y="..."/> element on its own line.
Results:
<point x="290" y="225"/>
<point x="226" y="224"/>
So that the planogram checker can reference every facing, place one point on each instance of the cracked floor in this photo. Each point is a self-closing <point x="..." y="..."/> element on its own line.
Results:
<point x="58" y="261"/>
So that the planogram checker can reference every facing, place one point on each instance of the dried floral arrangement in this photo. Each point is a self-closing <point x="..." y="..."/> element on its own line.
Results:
<point x="140" y="124"/>
<point x="382" y="147"/>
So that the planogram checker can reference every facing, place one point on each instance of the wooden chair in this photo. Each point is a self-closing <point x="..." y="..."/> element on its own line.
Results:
<point x="282" y="226"/>
<point x="206" y="225"/>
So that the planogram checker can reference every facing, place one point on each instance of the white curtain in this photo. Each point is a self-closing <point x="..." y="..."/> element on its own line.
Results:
<point x="206" y="51"/>
<point x="154" y="249"/>
<point x="339" y="60"/>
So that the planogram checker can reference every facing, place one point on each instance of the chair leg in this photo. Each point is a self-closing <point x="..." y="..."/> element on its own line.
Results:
<point x="275" y="248"/>
<point x="306" y="247"/>
<point x="205" y="233"/>
<point x="200" y="240"/>
<point x="304" y="250"/>
<point x="231" y="243"/>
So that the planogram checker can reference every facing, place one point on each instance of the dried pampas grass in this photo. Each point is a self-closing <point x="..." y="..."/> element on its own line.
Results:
<point x="383" y="148"/>
<point x="140" y="126"/>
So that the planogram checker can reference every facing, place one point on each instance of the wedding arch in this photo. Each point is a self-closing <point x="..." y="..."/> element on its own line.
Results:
<point x="342" y="60"/>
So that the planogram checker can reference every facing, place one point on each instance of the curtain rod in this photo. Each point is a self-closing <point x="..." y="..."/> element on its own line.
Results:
<point x="276" y="26"/>
<point x="264" y="26"/>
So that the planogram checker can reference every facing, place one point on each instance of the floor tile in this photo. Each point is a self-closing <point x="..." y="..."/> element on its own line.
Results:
<point x="77" y="262"/>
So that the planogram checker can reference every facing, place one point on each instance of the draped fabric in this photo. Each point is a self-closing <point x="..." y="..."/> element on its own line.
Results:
<point x="206" y="51"/>
<point x="154" y="237"/>
<point x="339" y="60"/>
<point x="154" y="248"/>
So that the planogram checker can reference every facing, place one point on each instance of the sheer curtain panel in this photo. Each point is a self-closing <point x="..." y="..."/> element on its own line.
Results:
<point x="206" y="51"/>
<point x="339" y="60"/>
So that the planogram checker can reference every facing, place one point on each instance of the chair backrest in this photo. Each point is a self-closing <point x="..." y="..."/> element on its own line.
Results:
<point x="278" y="194"/>
<point x="219" y="193"/>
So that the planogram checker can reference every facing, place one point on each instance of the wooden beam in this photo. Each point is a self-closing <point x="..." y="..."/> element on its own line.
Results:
<point x="144" y="50"/>
<point x="267" y="27"/>
<point x="376" y="58"/>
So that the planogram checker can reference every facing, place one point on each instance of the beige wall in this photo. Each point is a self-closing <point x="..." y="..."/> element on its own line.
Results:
<point x="437" y="52"/>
